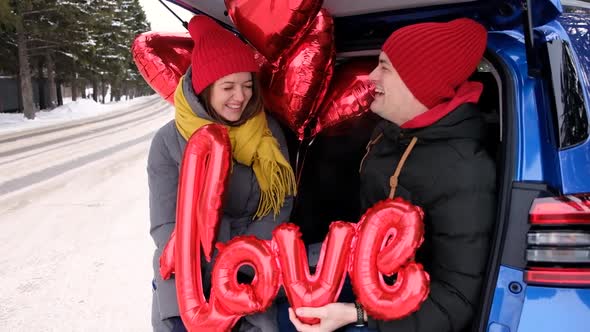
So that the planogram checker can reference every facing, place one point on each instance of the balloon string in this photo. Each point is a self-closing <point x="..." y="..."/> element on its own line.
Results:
<point x="199" y="12"/>
<point x="300" y="160"/>
<point x="184" y="23"/>
<point x="299" y="165"/>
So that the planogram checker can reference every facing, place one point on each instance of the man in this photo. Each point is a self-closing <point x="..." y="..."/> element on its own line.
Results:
<point x="427" y="110"/>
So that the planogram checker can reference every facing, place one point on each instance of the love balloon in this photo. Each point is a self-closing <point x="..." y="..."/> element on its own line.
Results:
<point x="384" y="242"/>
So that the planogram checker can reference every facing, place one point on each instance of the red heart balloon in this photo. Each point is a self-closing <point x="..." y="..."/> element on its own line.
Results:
<point x="162" y="59"/>
<point x="349" y="96"/>
<point x="273" y="27"/>
<point x="295" y="85"/>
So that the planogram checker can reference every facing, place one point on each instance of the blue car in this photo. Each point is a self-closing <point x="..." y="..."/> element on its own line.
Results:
<point x="536" y="74"/>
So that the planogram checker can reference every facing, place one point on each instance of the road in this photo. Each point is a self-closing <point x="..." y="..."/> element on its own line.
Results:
<point x="74" y="227"/>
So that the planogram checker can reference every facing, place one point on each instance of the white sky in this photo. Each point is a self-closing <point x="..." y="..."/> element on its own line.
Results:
<point x="161" y="19"/>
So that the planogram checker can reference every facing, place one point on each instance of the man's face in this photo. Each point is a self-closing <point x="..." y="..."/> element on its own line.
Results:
<point x="393" y="100"/>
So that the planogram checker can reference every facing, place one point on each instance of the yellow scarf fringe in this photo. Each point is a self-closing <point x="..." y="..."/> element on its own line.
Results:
<point x="252" y="145"/>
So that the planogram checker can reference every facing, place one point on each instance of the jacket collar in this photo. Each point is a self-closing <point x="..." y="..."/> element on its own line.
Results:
<point x="192" y="98"/>
<point x="465" y="121"/>
<point x="468" y="92"/>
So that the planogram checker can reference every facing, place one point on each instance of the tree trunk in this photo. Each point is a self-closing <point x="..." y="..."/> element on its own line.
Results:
<point x="103" y="90"/>
<point x="41" y="84"/>
<point x="74" y="87"/>
<point x="126" y="90"/>
<point x="117" y="90"/>
<point x="51" y="81"/>
<point x="60" y="100"/>
<point x="84" y="90"/>
<point x="95" y="88"/>
<point x="26" y="87"/>
<point x="19" y="91"/>
<point x="74" y="81"/>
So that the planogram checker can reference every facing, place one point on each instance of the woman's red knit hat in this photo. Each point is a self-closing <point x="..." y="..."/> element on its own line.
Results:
<point x="433" y="59"/>
<point x="216" y="53"/>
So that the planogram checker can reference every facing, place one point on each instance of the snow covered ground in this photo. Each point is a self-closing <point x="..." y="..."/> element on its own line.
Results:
<point x="81" y="109"/>
<point x="76" y="250"/>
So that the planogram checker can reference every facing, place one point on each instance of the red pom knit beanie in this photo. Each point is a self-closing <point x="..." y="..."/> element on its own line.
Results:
<point x="217" y="53"/>
<point x="433" y="59"/>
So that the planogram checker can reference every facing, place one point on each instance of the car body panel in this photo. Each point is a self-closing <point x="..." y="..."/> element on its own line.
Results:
<point x="530" y="163"/>
<point x="521" y="308"/>
<point x="507" y="304"/>
<point x="575" y="161"/>
<point x="548" y="309"/>
<point x="537" y="158"/>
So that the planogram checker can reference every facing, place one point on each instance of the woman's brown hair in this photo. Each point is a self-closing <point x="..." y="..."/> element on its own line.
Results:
<point x="255" y="105"/>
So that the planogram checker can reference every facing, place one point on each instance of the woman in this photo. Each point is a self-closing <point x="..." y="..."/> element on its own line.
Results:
<point x="221" y="87"/>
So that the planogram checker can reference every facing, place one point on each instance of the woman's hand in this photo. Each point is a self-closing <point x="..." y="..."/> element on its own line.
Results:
<point x="332" y="316"/>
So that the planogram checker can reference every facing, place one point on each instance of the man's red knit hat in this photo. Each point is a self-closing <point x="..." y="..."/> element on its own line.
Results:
<point x="217" y="53"/>
<point x="433" y="59"/>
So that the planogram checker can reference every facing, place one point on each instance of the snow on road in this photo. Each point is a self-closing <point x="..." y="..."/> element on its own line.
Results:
<point x="76" y="251"/>
<point x="69" y="112"/>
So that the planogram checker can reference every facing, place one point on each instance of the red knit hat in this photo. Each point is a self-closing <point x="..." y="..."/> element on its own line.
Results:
<point x="217" y="53"/>
<point x="433" y="59"/>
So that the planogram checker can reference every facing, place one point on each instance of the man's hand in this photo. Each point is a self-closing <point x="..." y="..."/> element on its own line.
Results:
<point x="332" y="316"/>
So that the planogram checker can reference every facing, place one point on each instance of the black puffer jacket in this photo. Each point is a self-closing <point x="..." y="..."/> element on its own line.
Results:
<point x="451" y="176"/>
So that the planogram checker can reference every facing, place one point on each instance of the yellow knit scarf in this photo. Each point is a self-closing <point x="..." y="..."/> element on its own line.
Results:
<point x="252" y="145"/>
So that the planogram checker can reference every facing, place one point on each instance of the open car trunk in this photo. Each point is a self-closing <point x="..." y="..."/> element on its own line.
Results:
<point x="364" y="25"/>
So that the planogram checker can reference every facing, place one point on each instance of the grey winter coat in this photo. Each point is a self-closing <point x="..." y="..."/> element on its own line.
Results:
<point x="241" y="202"/>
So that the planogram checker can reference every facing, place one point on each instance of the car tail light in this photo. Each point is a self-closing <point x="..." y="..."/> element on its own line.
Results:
<point x="564" y="210"/>
<point x="558" y="242"/>
<point x="557" y="276"/>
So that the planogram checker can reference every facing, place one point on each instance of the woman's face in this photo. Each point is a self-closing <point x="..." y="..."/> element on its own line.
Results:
<point x="230" y="95"/>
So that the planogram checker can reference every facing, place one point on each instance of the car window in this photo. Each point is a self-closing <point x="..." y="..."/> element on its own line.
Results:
<point x="576" y="21"/>
<point x="572" y="119"/>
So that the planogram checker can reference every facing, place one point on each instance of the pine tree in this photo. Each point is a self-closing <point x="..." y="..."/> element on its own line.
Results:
<point x="138" y="24"/>
<point x="78" y="41"/>
<point x="8" y="49"/>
